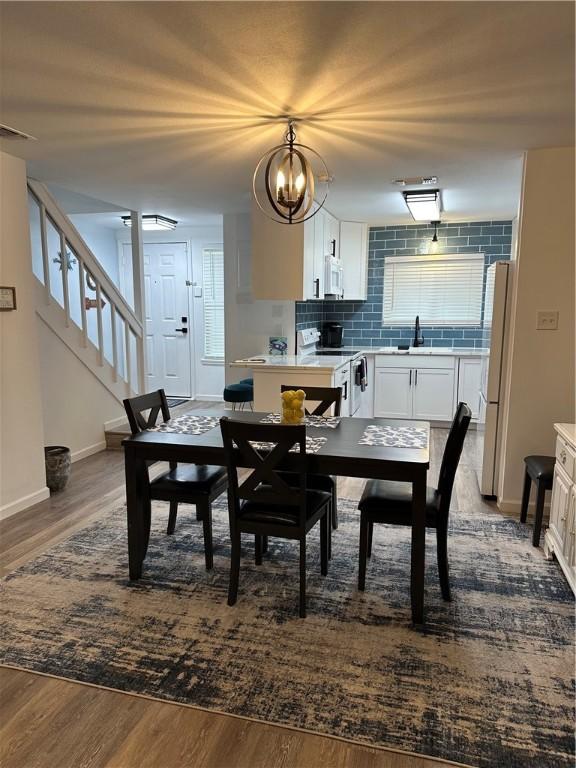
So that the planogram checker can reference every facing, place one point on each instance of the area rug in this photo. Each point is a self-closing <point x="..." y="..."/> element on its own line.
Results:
<point x="487" y="682"/>
<point x="174" y="401"/>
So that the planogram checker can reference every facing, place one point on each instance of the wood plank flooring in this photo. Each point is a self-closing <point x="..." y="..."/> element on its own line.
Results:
<point x="47" y="722"/>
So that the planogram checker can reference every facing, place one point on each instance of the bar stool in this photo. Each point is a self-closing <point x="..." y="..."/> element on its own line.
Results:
<point x="239" y="393"/>
<point x="539" y="469"/>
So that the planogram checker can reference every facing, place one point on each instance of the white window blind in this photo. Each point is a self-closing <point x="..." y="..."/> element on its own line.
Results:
<point x="213" y="285"/>
<point x="443" y="289"/>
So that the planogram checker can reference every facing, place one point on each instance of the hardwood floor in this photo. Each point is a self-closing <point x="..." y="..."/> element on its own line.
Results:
<point x="52" y="722"/>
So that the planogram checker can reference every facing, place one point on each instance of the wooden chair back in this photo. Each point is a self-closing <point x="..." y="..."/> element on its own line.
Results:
<point x="154" y="402"/>
<point x="327" y="397"/>
<point x="452" y="453"/>
<point x="265" y="483"/>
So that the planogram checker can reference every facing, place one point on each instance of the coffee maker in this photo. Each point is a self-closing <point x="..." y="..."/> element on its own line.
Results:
<point x="332" y="334"/>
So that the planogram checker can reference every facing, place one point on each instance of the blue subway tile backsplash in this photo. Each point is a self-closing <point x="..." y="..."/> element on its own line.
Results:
<point x="362" y="320"/>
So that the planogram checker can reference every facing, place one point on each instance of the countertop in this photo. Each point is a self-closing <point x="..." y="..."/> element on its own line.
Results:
<point x="296" y="362"/>
<point x="568" y="432"/>
<point x="451" y="351"/>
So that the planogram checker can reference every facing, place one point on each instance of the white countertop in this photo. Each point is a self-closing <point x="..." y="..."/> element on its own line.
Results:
<point x="568" y="432"/>
<point x="296" y="362"/>
<point x="452" y="351"/>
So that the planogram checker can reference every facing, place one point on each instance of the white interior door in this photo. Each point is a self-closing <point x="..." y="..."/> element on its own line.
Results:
<point x="168" y="358"/>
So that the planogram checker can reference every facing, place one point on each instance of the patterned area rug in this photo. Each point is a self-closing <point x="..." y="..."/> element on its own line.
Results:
<point x="487" y="683"/>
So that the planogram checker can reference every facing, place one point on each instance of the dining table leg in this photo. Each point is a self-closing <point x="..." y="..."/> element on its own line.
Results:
<point x="418" y="547"/>
<point x="136" y="511"/>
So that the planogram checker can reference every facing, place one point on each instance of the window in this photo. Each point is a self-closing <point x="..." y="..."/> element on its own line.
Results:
<point x="213" y="284"/>
<point x="442" y="289"/>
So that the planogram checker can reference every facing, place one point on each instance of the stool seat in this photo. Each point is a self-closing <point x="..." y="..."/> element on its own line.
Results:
<point x="248" y="382"/>
<point x="238" y="393"/>
<point x="541" y="468"/>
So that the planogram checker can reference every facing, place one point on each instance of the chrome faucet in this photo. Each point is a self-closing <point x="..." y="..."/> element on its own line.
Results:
<point x="418" y="338"/>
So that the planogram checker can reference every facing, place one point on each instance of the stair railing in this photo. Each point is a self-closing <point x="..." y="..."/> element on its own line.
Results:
<point x="125" y="364"/>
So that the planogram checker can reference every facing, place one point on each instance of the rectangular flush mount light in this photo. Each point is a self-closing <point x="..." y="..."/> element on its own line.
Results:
<point x="152" y="221"/>
<point x="423" y="205"/>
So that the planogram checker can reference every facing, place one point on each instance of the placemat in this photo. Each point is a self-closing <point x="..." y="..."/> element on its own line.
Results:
<point x="313" y="445"/>
<point x="309" y="421"/>
<point x="395" y="437"/>
<point x="188" y="424"/>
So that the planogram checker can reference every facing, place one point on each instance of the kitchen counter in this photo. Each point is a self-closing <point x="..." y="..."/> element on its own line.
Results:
<point x="293" y="362"/>
<point x="453" y="351"/>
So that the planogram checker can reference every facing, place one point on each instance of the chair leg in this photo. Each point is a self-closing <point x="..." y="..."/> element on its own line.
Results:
<point x="335" y="506"/>
<point x="324" y="533"/>
<point x="258" y="550"/>
<point x="172" y="517"/>
<point x="442" y="551"/>
<point x="370" y="536"/>
<point x="329" y="542"/>
<point x="264" y="544"/>
<point x="303" y="577"/>
<point x="234" y="569"/>
<point x="364" y="527"/>
<point x="525" y="497"/>
<point x="206" y="517"/>
<point x="540" y="496"/>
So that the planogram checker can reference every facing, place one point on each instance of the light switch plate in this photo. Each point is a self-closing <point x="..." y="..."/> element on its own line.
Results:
<point x="547" y="321"/>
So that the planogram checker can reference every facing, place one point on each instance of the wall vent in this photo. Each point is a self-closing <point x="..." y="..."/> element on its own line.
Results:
<point x="416" y="181"/>
<point x="11" y="133"/>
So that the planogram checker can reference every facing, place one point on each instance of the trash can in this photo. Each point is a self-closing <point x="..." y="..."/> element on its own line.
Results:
<point x="57" y="458"/>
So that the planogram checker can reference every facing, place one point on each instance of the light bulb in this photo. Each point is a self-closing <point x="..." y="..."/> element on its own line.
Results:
<point x="300" y="182"/>
<point x="280" y="181"/>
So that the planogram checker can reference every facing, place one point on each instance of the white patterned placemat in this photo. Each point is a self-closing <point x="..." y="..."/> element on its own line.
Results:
<point x="313" y="445"/>
<point x="395" y="437"/>
<point x="187" y="424"/>
<point x="309" y="421"/>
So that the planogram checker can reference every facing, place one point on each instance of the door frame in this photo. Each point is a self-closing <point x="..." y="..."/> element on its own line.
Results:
<point x="125" y="274"/>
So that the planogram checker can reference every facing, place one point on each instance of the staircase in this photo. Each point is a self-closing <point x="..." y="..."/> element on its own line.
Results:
<point x="80" y="303"/>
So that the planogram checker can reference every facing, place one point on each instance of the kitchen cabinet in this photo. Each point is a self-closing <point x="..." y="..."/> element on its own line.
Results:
<point x="559" y="539"/>
<point x="354" y="258"/>
<point x="469" y="379"/>
<point x="342" y="380"/>
<point x="331" y="234"/>
<point x="414" y="387"/>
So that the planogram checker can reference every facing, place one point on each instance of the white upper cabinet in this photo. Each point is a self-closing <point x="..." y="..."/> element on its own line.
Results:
<point x="354" y="257"/>
<point x="331" y="235"/>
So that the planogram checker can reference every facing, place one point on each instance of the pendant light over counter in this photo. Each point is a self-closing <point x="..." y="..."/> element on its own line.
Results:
<point x="291" y="181"/>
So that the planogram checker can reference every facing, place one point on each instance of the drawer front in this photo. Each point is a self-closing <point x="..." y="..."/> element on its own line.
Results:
<point x="414" y="361"/>
<point x="565" y="458"/>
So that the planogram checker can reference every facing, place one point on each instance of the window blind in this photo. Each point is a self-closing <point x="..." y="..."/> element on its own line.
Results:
<point x="213" y="285"/>
<point x="443" y="289"/>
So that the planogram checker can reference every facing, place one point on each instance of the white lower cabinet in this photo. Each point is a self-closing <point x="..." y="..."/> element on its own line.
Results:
<point x="392" y="393"/>
<point x="414" y="388"/>
<point x="469" y="382"/>
<point x="560" y="538"/>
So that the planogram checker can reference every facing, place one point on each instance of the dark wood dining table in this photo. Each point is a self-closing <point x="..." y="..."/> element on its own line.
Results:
<point x="340" y="455"/>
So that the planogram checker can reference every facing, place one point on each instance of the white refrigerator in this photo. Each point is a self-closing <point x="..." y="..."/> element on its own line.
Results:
<point x="496" y="317"/>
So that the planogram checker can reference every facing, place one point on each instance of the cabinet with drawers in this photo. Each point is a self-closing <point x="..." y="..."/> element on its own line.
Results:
<point x="560" y="538"/>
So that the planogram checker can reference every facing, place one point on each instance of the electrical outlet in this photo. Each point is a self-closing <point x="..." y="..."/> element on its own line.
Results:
<point x="547" y="321"/>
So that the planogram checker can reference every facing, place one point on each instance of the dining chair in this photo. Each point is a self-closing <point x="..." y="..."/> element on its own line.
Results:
<point x="263" y="504"/>
<point x="326" y="397"/>
<point x="390" y="502"/>
<point x="196" y="484"/>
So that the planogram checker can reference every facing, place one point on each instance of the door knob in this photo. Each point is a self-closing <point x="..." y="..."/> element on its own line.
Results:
<point x="182" y="330"/>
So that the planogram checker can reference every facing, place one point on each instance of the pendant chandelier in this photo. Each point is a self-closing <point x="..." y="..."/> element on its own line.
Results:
<point x="291" y="181"/>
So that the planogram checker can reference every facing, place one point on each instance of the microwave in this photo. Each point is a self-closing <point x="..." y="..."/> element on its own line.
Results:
<point x="334" y="281"/>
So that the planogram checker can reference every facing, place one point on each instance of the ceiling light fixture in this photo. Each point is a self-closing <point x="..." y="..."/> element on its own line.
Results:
<point x="291" y="181"/>
<point x="151" y="221"/>
<point x="423" y="205"/>
<point x="435" y="237"/>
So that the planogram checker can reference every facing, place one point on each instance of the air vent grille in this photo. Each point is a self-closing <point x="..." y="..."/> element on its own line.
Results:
<point x="11" y="133"/>
<point x="416" y="181"/>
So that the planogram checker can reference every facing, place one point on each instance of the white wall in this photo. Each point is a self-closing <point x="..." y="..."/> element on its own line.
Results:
<point x="540" y="385"/>
<point x="100" y="239"/>
<point x="207" y="377"/>
<point x="249" y="323"/>
<point x="22" y="473"/>
<point x="76" y="404"/>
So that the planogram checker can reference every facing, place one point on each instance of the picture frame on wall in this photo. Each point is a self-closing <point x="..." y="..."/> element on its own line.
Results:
<point x="7" y="298"/>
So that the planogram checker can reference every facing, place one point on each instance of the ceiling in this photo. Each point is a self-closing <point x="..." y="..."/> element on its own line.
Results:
<point x="166" y="107"/>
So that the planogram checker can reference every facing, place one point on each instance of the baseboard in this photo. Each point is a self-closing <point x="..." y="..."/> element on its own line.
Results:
<point x="26" y="501"/>
<point x="88" y="451"/>
<point x="113" y="423"/>
<point x="512" y="506"/>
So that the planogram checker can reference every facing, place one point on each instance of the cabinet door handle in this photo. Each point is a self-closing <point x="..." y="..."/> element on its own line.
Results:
<point x="410" y="380"/>
<point x="317" y="288"/>
<point x="416" y="377"/>
<point x="333" y="248"/>
<point x="345" y="390"/>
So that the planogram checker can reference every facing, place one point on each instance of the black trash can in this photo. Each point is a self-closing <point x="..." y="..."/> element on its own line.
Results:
<point x="57" y="458"/>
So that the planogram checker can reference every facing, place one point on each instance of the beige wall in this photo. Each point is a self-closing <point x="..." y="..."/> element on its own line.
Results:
<point x="540" y="384"/>
<point x="248" y="323"/>
<point x="76" y="404"/>
<point x="22" y="475"/>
